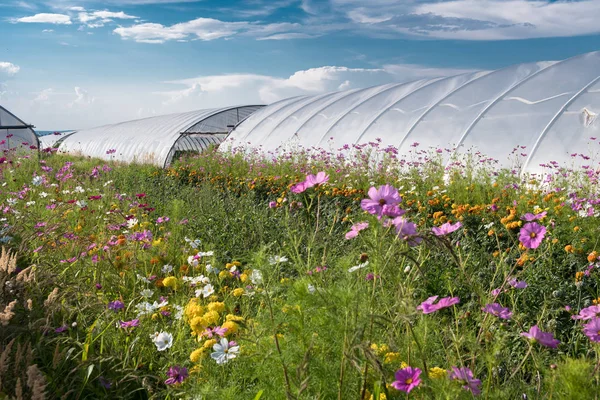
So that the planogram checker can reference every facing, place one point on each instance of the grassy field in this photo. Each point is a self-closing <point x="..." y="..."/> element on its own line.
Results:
<point x="309" y="276"/>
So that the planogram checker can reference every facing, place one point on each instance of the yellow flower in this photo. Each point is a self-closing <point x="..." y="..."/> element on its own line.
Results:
<point x="437" y="373"/>
<point x="170" y="281"/>
<point x="210" y="343"/>
<point x="238" y="292"/>
<point x="216" y="306"/>
<point x="234" y="318"/>
<point x="196" y="355"/>
<point x="391" y="358"/>
<point x="231" y="327"/>
<point x="211" y="317"/>
<point x="224" y="274"/>
<point x="193" y="309"/>
<point x="198" y="325"/>
<point x="243" y="277"/>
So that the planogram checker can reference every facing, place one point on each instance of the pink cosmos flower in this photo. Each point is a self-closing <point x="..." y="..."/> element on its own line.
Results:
<point x="355" y="229"/>
<point x="465" y="375"/>
<point x="315" y="180"/>
<point x="592" y="330"/>
<point x="532" y="234"/>
<point x="588" y="313"/>
<point x="543" y="338"/>
<point x="299" y="187"/>
<point x="428" y="307"/>
<point x="407" y="379"/>
<point x="385" y="195"/>
<point x="129" y="324"/>
<point x="446" y="229"/>
<point x="517" y="284"/>
<point x="176" y="375"/>
<point x="407" y="230"/>
<point x="497" y="310"/>
<point x="529" y="217"/>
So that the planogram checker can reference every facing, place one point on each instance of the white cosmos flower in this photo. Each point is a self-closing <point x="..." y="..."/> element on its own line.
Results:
<point x="192" y="261"/>
<point x="193" y="243"/>
<point x="147" y="293"/>
<point x="11" y="202"/>
<point x="66" y="191"/>
<point x="43" y="195"/>
<point x="223" y="351"/>
<point x="311" y="288"/>
<point x="37" y="181"/>
<point x="78" y="189"/>
<point x="359" y="266"/>
<point x="30" y="203"/>
<point x="208" y="290"/>
<point x="81" y="203"/>
<point x="206" y="253"/>
<point x="211" y="269"/>
<point x="277" y="259"/>
<point x="195" y="280"/>
<point x="179" y="313"/>
<point x="132" y="222"/>
<point x="142" y="278"/>
<point x="256" y="277"/>
<point x="167" y="268"/>
<point x="162" y="340"/>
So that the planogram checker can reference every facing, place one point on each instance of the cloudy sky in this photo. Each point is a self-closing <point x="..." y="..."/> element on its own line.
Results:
<point x="67" y="64"/>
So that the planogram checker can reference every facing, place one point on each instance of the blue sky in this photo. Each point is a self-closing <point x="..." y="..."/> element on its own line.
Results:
<point x="76" y="64"/>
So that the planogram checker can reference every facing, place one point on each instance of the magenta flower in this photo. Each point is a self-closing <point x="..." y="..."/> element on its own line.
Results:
<point x="465" y="375"/>
<point x="315" y="180"/>
<point x="446" y="229"/>
<point x="588" y="313"/>
<point x="129" y="324"/>
<point x="176" y="375"/>
<point x="497" y="310"/>
<point x="517" y="284"/>
<point x="355" y="229"/>
<point x="299" y="187"/>
<point x="529" y="217"/>
<point x="543" y="338"/>
<point x="385" y="195"/>
<point x="407" y="230"/>
<point x="532" y="234"/>
<point x="428" y="307"/>
<point x="407" y="379"/>
<point x="592" y="330"/>
<point x="272" y="204"/>
<point x="392" y="211"/>
<point x="116" y="305"/>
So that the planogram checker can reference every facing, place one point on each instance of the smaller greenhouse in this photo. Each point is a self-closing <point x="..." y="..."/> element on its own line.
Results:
<point x="15" y="133"/>
<point x="53" y="140"/>
<point x="156" y="140"/>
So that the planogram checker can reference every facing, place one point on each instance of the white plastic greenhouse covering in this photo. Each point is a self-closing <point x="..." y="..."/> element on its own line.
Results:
<point x="549" y="107"/>
<point x="156" y="140"/>
<point x="53" y="140"/>
<point x="15" y="133"/>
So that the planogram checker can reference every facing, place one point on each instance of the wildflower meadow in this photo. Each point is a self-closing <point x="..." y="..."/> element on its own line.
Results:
<point x="307" y="275"/>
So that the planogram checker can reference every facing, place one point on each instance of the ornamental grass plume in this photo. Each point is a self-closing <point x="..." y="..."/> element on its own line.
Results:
<point x="36" y="383"/>
<point x="8" y="261"/>
<point x="535" y="335"/>
<point x="428" y="307"/>
<point x="465" y="375"/>
<point x="7" y="314"/>
<point x="531" y="235"/>
<point x="407" y="379"/>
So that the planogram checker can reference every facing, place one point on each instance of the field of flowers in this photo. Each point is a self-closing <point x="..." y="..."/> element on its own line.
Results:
<point x="309" y="276"/>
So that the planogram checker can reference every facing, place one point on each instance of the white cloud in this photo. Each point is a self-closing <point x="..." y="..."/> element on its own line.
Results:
<point x="76" y="9"/>
<point x="47" y="30"/>
<point x="98" y="19"/>
<point x="44" y="96"/>
<point x="8" y="69"/>
<point x="82" y="97"/>
<point x="209" y="29"/>
<point x="46" y="18"/>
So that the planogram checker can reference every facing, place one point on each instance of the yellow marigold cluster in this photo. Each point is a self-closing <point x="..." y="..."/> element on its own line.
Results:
<point x="437" y="373"/>
<point x="170" y="281"/>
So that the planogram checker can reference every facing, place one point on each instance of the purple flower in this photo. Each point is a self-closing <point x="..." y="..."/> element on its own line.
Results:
<point x="407" y="230"/>
<point x="428" y="307"/>
<point x="105" y="383"/>
<point x="588" y="313"/>
<point x="272" y="204"/>
<point x="446" y="229"/>
<point x="517" y="284"/>
<point x="407" y="379"/>
<point x="592" y="330"/>
<point x="98" y="286"/>
<point x="543" y="338"/>
<point x="176" y="375"/>
<point x="161" y="220"/>
<point x="355" y="229"/>
<point x="299" y="187"/>
<point x="116" y="305"/>
<point x="129" y="324"/>
<point x="465" y="375"/>
<point x="385" y="195"/>
<point x="315" y="180"/>
<point x="497" y="310"/>
<point x="529" y="217"/>
<point x="532" y="234"/>
<point x="496" y="292"/>
<point x="61" y="329"/>
<point x="392" y="211"/>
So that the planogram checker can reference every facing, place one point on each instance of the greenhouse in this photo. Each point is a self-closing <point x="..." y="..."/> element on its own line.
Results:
<point x="548" y="107"/>
<point x="156" y="140"/>
<point x="15" y="133"/>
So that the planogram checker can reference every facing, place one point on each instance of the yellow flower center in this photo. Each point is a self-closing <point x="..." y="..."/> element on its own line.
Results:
<point x="408" y="381"/>
<point x="532" y="235"/>
<point x="382" y="202"/>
